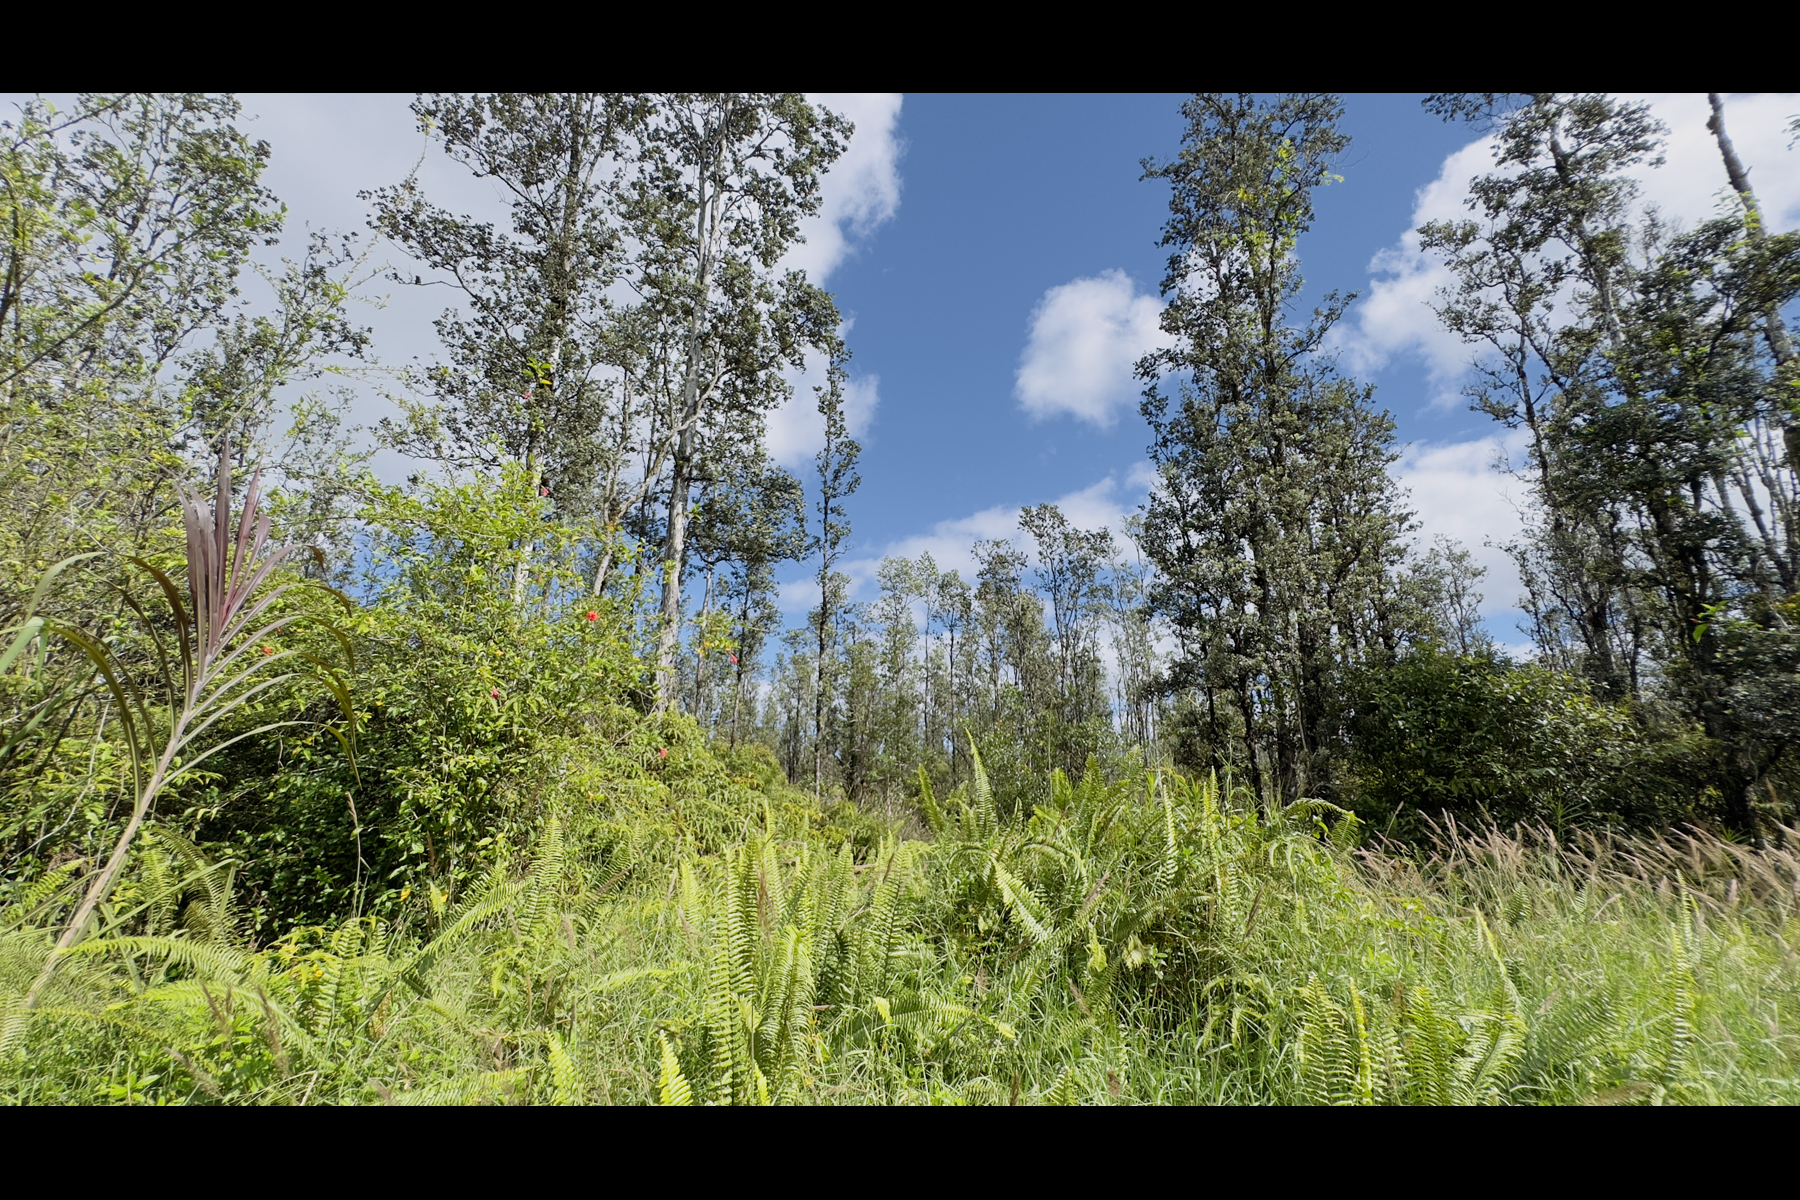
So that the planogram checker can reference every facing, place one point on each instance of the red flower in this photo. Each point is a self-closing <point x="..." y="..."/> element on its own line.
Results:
<point x="268" y="649"/>
<point x="543" y="491"/>
<point x="495" y="693"/>
<point x="662" y="752"/>
<point x="733" y="660"/>
<point x="593" y="616"/>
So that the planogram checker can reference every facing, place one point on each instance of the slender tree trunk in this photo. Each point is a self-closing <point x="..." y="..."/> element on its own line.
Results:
<point x="737" y="702"/>
<point x="819" y="671"/>
<point x="613" y="511"/>
<point x="522" y="564"/>
<point x="1773" y="327"/>
<point x="706" y="228"/>
<point x="674" y="551"/>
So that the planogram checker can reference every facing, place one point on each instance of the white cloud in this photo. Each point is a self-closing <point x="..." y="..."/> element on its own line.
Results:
<point x="1457" y="492"/>
<point x="862" y="189"/>
<point x="328" y="147"/>
<point x="1086" y="336"/>
<point x="1692" y="185"/>
<point x="951" y="543"/>
<point x="796" y="431"/>
<point x="1395" y="317"/>
<point x="861" y="192"/>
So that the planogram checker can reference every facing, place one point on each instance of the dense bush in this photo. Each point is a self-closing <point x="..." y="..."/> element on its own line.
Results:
<point x="1483" y="740"/>
<point x="1129" y="939"/>
<point x="477" y="716"/>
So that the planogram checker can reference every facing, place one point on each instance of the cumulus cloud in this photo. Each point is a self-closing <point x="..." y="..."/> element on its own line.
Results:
<point x="796" y="431"/>
<point x="862" y="189"/>
<point x="951" y="544"/>
<point x="1458" y="491"/>
<point x="1086" y="335"/>
<point x="1395" y="318"/>
<point x="861" y="192"/>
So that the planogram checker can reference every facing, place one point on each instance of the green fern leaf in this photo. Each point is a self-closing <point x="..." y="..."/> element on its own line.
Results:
<point x="672" y="1087"/>
<point x="565" y="1076"/>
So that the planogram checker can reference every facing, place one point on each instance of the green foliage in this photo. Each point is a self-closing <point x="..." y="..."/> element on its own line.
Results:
<point x="479" y="716"/>
<point x="1135" y="939"/>
<point x="537" y="880"/>
<point x="1481" y="740"/>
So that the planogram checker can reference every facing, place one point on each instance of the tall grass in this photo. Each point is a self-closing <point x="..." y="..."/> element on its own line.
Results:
<point x="1142" y="939"/>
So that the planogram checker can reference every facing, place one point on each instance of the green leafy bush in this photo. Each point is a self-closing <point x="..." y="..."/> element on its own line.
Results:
<point x="1127" y="939"/>
<point x="1483" y="740"/>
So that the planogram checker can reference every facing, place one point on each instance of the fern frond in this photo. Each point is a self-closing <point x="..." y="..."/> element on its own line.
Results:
<point x="1322" y="1050"/>
<point x="981" y="796"/>
<point x="934" y="816"/>
<point x="43" y="893"/>
<point x="1165" y="867"/>
<point x="672" y="1088"/>
<point x="544" y="879"/>
<point x="1681" y="991"/>
<point x="209" y="961"/>
<point x="565" y="1076"/>
<point x="1432" y="1047"/>
<point x="1020" y="900"/>
<point x="1363" y="1086"/>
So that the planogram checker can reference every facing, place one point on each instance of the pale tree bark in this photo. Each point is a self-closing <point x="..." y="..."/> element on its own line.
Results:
<point x="615" y="509"/>
<point x="693" y="393"/>
<point x="819" y="677"/>
<point x="1773" y="327"/>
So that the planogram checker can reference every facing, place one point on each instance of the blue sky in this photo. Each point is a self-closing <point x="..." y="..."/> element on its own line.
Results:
<point x="1007" y="197"/>
<point x="996" y="259"/>
<point x="995" y="312"/>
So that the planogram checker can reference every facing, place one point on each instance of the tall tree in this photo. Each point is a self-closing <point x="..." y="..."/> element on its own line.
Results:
<point x="838" y="480"/>
<point x="1552" y="220"/>
<point x="128" y="350"/>
<point x="524" y="383"/>
<point x="1070" y="564"/>
<point x="753" y="520"/>
<point x="1755" y="225"/>
<point x="723" y="183"/>
<point x="1274" y="523"/>
<point x="1648" y="368"/>
<point x="128" y="227"/>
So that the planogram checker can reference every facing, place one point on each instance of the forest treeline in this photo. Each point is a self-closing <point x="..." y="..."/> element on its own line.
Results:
<point x="514" y="781"/>
<point x="1269" y="614"/>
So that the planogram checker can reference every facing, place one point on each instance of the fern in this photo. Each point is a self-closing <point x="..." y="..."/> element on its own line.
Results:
<point x="672" y="1087"/>
<point x="1326" y="1058"/>
<point x="1020" y="900"/>
<point x="981" y="798"/>
<point x="1433" y="1043"/>
<point x="479" y="1088"/>
<point x="934" y="816"/>
<point x="1681" y="992"/>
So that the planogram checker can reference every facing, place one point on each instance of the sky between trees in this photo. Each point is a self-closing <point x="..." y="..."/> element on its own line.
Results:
<point x="995" y="259"/>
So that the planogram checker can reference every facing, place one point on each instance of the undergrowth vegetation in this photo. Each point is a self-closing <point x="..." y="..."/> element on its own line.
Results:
<point x="508" y="785"/>
<point x="1128" y="937"/>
